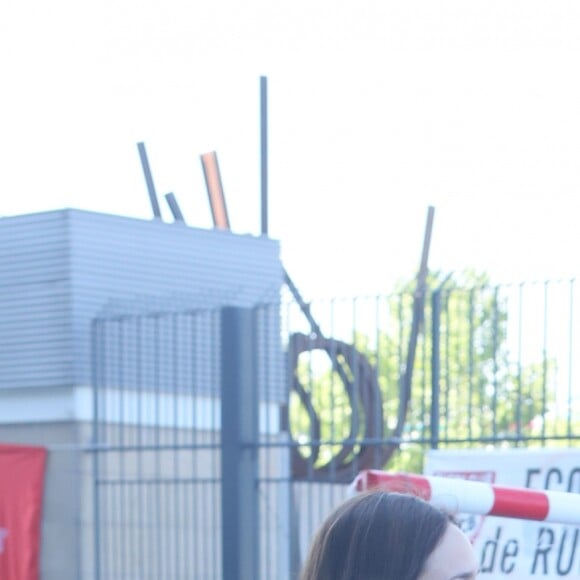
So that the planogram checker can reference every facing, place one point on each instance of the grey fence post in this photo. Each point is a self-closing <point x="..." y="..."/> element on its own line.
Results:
<point x="97" y="333"/>
<point x="435" y="371"/>
<point x="239" y="438"/>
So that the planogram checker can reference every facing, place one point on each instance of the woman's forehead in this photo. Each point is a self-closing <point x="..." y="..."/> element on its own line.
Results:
<point x="452" y="559"/>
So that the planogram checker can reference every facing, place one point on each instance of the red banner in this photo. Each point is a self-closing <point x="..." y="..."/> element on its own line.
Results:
<point x="21" y="489"/>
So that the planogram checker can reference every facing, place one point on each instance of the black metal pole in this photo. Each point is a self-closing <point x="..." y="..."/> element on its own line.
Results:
<point x="302" y="303"/>
<point x="96" y="337"/>
<point x="264" y="153"/>
<point x="239" y="436"/>
<point x="435" y="369"/>
<point x="416" y="323"/>
<point x="149" y="180"/>
<point x="174" y="207"/>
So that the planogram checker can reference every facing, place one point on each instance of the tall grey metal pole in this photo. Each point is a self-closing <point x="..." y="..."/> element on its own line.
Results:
<point x="435" y="369"/>
<point x="149" y="180"/>
<point x="96" y="336"/>
<point x="239" y="462"/>
<point x="416" y="323"/>
<point x="264" y="153"/>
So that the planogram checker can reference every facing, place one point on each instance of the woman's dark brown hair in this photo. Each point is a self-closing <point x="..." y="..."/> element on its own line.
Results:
<point x="376" y="536"/>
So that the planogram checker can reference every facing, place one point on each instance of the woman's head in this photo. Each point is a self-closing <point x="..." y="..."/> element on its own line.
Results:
<point x="389" y="536"/>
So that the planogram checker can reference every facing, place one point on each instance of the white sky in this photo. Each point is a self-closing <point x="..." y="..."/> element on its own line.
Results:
<point x="377" y="109"/>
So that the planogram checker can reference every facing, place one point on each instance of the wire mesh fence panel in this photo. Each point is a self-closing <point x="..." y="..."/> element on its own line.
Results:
<point x="492" y="366"/>
<point x="156" y="461"/>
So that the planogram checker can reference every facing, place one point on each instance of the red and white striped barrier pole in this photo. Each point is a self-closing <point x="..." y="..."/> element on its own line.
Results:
<point x="475" y="497"/>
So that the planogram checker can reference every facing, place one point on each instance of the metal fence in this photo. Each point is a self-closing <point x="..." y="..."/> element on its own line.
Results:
<point x="224" y="437"/>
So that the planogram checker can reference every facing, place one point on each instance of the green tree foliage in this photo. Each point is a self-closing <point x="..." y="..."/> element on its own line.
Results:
<point x="485" y="397"/>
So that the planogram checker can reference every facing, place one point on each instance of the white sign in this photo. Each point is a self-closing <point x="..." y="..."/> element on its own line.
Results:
<point x="510" y="548"/>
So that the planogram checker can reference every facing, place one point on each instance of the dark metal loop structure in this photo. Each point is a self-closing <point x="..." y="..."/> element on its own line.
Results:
<point x="359" y="381"/>
<point x="365" y="448"/>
